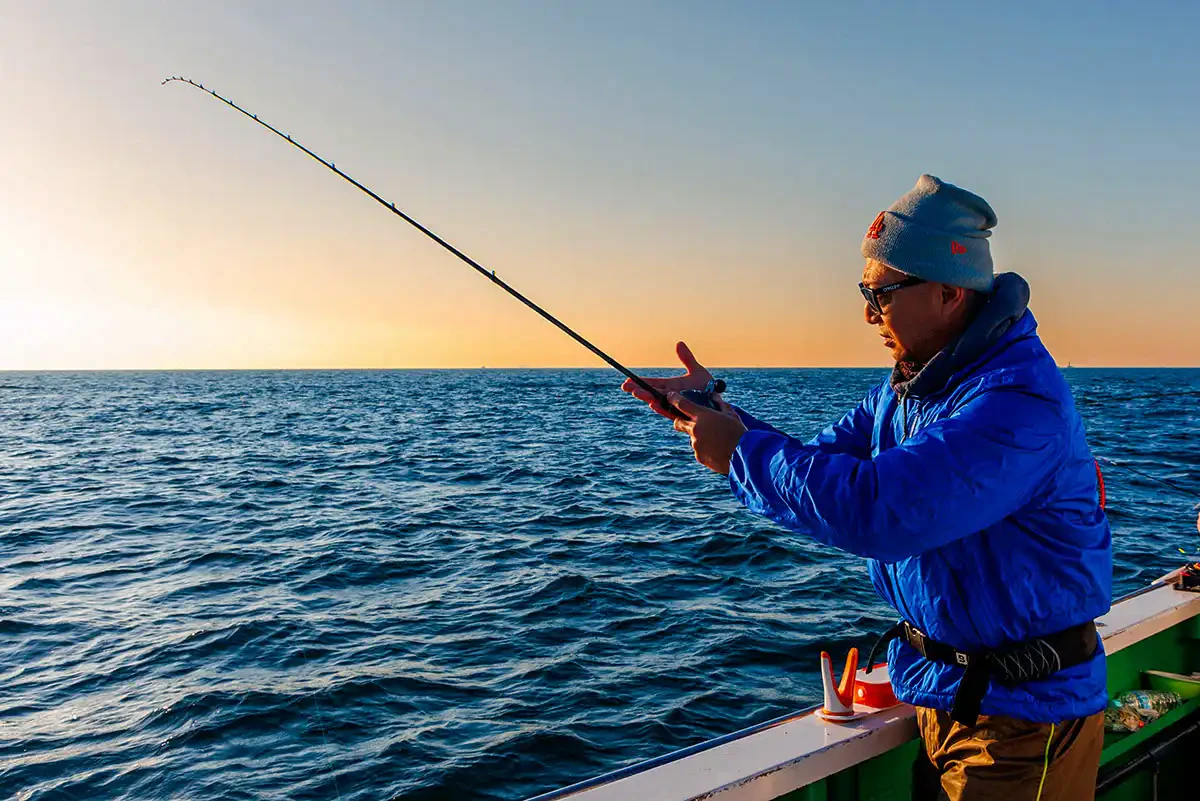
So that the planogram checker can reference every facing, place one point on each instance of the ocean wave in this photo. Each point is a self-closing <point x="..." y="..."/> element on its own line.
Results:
<point x="265" y="585"/>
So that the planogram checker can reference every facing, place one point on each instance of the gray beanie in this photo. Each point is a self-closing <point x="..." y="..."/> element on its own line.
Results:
<point x="937" y="232"/>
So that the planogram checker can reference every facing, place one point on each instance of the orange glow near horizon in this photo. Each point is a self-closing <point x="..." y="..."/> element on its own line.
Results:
<point x="148" y="227"/>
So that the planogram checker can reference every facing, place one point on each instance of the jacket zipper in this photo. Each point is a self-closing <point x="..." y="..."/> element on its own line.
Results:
<point x="901" y="606"/>
<point x="904" y="433"/>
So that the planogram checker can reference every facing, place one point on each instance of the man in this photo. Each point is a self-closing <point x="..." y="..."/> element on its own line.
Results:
<point x="966" y="480"/>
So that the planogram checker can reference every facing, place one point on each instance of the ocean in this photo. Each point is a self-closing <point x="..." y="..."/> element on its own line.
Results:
<point x="422" y="585"/>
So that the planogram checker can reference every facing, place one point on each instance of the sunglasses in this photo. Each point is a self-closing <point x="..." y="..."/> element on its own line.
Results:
<point x="873" y="295"/>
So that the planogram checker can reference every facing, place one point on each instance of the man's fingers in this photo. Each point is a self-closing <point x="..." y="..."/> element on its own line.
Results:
<point x="630" y="385"/>
<point x="633" y="387"/>
<point x="684" y="405"/>
<point x="641" y="394"/>
<point x="663" y="411"/>
<point x="725" y="408"/>
<point x="646" y="397"/>
<point x="655" y="401"/>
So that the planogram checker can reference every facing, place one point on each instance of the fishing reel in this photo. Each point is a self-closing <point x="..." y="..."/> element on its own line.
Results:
<point x="704" y="397"/>
<point x="1189" y="577"/>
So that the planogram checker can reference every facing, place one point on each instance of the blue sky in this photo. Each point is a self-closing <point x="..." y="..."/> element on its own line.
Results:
<point x="643" y="169"/>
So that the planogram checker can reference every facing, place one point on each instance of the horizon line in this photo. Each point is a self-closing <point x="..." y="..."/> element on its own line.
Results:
<point x="519" y="367"/>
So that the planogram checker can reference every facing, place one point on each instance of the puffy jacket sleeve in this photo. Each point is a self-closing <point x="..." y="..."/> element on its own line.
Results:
<point x="953" y="478"/>
<point x="754" y="424"/>
<point x="851" y="434"/>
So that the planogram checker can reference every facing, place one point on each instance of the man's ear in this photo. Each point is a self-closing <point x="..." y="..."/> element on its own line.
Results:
<point x="954" y="296"/>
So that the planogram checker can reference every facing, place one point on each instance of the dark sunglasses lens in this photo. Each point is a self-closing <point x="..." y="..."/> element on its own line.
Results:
<point x="870" y="298"/>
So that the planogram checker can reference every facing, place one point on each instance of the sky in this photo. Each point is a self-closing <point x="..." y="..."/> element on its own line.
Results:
<point x="648" y="172"/>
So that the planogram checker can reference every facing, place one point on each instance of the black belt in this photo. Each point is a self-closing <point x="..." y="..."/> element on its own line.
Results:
<point x="1030" y="660"/>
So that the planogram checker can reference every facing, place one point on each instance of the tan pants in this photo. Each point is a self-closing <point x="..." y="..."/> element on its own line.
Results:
<point x="1005" y="759"/>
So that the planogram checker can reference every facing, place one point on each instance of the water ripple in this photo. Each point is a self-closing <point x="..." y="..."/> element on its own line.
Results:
<point x="425" y="585"/>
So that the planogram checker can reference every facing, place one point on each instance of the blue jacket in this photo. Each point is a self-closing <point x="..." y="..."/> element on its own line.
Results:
<point x="971" y="491"/>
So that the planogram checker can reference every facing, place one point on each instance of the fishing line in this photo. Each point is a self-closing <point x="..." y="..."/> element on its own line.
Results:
<point x="1187" y="493"/>
<point x="488" y="274"/>
<point x="1146" y="396"/>
<point x="1148" y="477"/>
<point x="324" y="738"/>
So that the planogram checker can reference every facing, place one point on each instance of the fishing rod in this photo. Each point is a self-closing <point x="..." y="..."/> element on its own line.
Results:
<point x="703" y="398"/>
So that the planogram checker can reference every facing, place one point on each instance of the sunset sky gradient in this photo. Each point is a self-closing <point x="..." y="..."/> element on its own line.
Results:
<point x="648" y="172"/>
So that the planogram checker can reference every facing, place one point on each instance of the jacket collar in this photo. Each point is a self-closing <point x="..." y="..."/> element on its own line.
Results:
<point x="1004" y="316"/>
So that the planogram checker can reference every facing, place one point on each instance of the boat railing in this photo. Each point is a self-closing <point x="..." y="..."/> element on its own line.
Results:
<point x="673" y="756"/>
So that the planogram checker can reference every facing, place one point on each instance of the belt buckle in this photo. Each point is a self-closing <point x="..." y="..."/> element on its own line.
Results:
<point x="916" y="638"/>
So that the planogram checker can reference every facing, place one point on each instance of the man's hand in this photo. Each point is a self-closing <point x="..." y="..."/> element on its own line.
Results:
<point x="697" y="377"/>
<point x="715" y="434"/>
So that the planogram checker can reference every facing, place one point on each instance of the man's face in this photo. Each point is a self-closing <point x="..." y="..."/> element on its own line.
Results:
<point x="917" y="321"/>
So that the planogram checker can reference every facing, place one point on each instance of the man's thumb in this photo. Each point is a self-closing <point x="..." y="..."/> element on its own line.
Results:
<point x="685" y="355"/>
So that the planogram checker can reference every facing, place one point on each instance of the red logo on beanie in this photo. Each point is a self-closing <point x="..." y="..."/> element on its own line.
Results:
<point x="876" y="227"/>
<point x="956" y="248"/>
